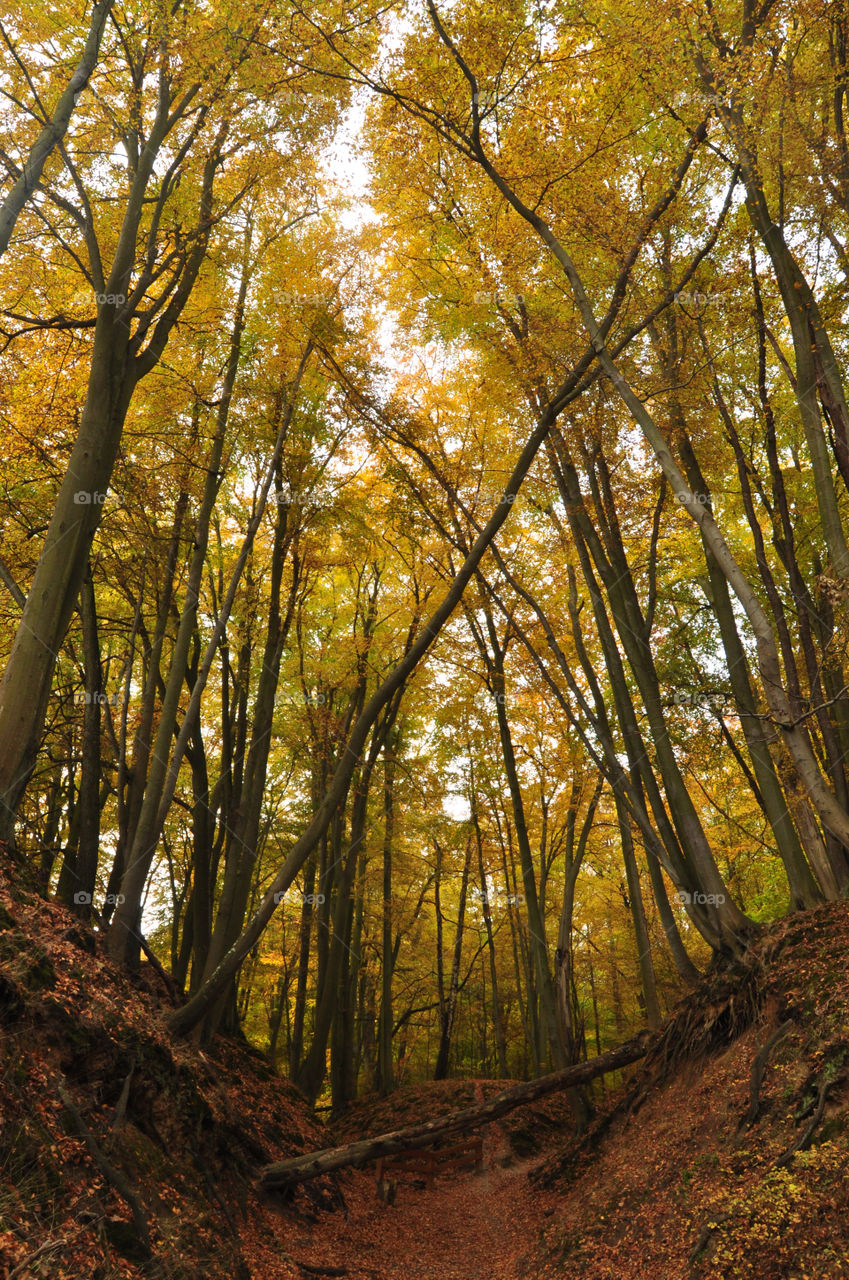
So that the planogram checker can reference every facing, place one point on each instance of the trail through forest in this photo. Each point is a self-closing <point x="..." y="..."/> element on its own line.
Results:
<point x="470" y="1226"/>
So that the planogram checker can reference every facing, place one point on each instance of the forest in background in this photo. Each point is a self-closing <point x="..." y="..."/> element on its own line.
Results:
<point x="424" y="559"/>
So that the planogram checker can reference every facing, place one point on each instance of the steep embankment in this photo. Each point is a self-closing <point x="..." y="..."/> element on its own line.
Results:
<point x="124" y="1154"/>
<point x="728" y="1158"/>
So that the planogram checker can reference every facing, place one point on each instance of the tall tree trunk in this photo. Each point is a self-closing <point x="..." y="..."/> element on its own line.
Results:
<point x="241" y="848"/>
<point x="346" y="1032"/>
<point x="448" y="1000"/>
<point x="132" y="776"/>
<point x="385" y="1073"/>
<point x="497" y="1023"/>
<point x="117" y="365"/>
<point x="548" y="1026"/>
<point x="203" y="818"/>
<point x="313" y="1068"/>
<point x="79" y="871"/>
<point x="564" y="972"/>
<point x="296" y="1042"/>
<point x="645" y="964"/>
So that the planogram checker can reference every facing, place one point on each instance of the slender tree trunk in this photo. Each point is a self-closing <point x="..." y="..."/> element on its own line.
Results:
<point x="448" y="1002"/>
<point x="385" y="1024"/>
<point x="645" y="964"/>
<point x="564" y="971"/>
<point x="79" y="870"/>
<point x="536" y="924"/>
<point x="240" y="855"/>
<point x="184" y="1019"/>
<point x="497" y="1024"/>
<point x="131" y="780"/>
<point x="313" y="1068"/>
<point x="296" y="1042"/>
<point x="203" y="817"/>
<point x="116" y="368"/>
<point x="344" y="1047"/>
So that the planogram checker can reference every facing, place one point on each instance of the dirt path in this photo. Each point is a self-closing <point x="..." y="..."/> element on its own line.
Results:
<point x="469" y="1227"/>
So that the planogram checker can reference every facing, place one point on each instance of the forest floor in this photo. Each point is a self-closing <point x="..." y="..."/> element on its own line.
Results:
<point x="125" y="1154"/>
<point x="469" y="1226"/>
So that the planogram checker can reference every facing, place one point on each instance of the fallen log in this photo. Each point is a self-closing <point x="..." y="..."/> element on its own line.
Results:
<point x="288" y="1172"/>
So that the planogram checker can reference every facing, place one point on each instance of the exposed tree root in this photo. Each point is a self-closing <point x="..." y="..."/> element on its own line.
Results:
<point x="710" y="1018"/>
<point x="758" y="1068"/>
<point x="810" y="1129"/>
<point x="49" y="1246"/>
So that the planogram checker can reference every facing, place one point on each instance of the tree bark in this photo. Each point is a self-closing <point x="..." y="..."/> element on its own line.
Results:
<point x="448" y="1002"/>
<point x="548" y="1024"/>
<point x="385" y="1071"/>
<point x="497" y="1020"/>
<point x="79" y="870"/>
